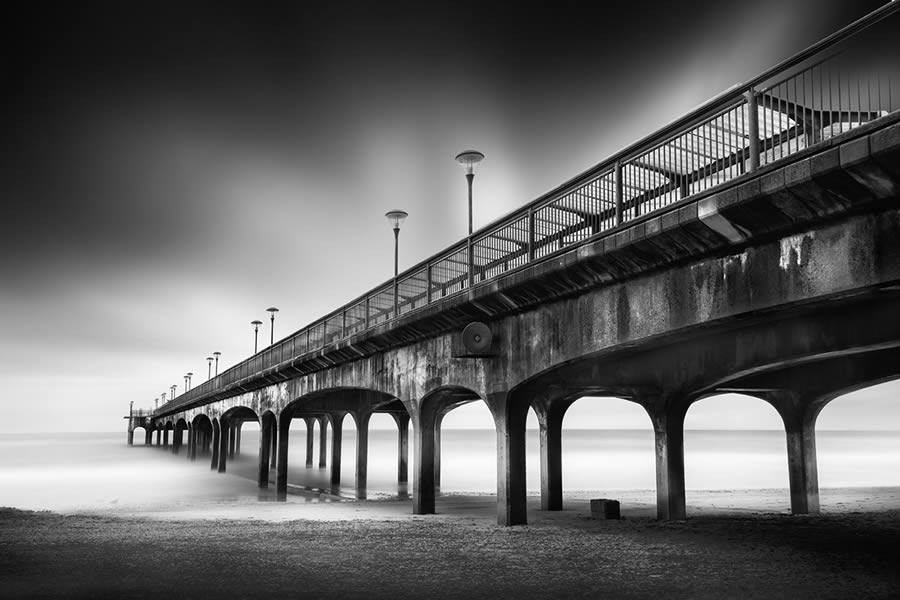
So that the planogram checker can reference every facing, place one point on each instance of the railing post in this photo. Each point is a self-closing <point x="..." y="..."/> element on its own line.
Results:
<point x="620" y="209"/>
<point x="753" y="131"/>
<point x="530" y="234"/>
<point x="367" y="312"/>
<point x="428" y="283"/>
<point x="343" y="323"/>
<point x="470" y="250"/>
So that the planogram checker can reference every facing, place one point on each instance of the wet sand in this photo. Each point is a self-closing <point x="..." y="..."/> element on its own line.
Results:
<point x="244" y="548"/>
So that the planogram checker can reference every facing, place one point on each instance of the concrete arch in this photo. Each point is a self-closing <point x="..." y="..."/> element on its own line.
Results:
<point x="201" y="436"/>
<point x="430" y="412"/>
<point x="230" y="422"/>
<point x="178" y="433"/>
<point x="330" y="406"/>
<point x="741" y="467"/>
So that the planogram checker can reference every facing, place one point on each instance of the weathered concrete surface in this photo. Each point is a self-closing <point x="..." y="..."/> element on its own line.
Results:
<point x="661" y="312"/>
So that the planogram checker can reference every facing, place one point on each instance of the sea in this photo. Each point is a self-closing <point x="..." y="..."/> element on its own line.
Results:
<point x="93" y="472"/>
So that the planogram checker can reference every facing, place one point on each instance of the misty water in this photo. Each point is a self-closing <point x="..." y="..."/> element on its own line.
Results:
<point x="100" y="472"/>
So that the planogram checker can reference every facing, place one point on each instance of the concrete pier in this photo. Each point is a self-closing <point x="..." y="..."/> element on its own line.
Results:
<point x="336" y="420"/>
<point x="310" y="445"/>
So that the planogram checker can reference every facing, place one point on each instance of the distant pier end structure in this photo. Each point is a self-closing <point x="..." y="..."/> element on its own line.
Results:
<point x="752" y="245"/>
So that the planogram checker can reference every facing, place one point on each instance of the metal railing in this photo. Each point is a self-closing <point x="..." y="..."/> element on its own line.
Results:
<point x="811" y="97"/>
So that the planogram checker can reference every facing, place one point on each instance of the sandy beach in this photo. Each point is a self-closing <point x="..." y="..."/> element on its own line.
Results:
<point x="313" y="547"/>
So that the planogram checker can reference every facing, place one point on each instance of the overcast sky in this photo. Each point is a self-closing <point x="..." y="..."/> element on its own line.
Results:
<point x="176" y="168"/>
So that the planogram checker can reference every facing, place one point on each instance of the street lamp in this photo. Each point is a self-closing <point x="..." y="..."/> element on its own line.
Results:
<point x="156" y="404"/>
<point x="173" y="388"/>
<point x="217" y="355"/>
<point x="396" y="218"/>
<point x="256" y="323"/>
<point x="272" y="310"/>
<point x="187" y="381"/>
<point x="163" y="397"/>
<point x="209" y="362"/>
<point x="468" y="159"/>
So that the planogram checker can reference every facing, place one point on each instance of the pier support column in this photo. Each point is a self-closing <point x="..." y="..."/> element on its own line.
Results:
<point x="148" y="437"/>
<point x="424" y="427"/>
<point x="402" y="420"/>
<point x="165" y="438"/>
<point x="238" y="427"/>
<point x="131" y="437"/>
<point x="159" y="437"/>
<point x="510" y="414"/>
<point x="310" y="445"/>
<point x="232" y="437"/>
<point x="667" y="414"/>
<point x="799" y="414"/>
<point x="284" y="426"/>
<point x="438" y="421"/>
<point x="337" y="420"/>
<point x="265" y="448"/>
<point x="224" y="443"/>
<point x="362" y="452"/>
<point x="550" y="413"/>
<point x="192" y="437"/>
<point x="323" y="440"/>
<point x="274" y="444"/>
<point x="217" y="433"/>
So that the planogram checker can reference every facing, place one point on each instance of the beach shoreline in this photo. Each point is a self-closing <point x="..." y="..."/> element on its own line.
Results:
<point x="368" y="550"/>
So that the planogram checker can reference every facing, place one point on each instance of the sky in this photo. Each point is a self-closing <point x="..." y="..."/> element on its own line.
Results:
<point x="175" y="168"/>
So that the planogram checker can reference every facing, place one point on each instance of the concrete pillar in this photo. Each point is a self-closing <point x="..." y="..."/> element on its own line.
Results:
<point x="131" y="437"/>
<point x="550" y="415"/>
<point x="158" y="437"/>
<point x="284" y="425"/>
<point x="265" y="448"/>
<point x="232" y="438"/>
<point x="217" y="433"/>
<point x="667" y="415"/>
<point x="424" y="426"/>
<point x="510" y="415"/>
<point x="337" y="420"/>
<point x="237" y="437"/>
<point x="148" y="437"/>
<point x="165" y="438"/>
<point x="362" y="452"/>
<point x="310" y="431"/>
<point x="323" y="440"/>
<point x="402" y="420"/>
<point x="192" y="442"/>
<point x="439" y="419"/>
<point x="224" y="443"/>
<point x="799" y="415"/>
<point x="274" y="444"/>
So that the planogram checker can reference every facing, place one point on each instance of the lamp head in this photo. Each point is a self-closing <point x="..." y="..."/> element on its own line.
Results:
<point x="396" y="217"/>
<point x="468" y="159"/>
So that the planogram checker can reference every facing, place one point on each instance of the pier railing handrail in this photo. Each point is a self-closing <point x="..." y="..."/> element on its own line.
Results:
<point x="733" y="133"/>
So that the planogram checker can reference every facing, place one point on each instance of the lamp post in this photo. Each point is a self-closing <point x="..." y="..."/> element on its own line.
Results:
<point x="217" y="355"/>
<point x="156" y="404"/>
<point x="272" y="310"/>
<point x="396" y="218"/>
<point x="468" y="159"/>
<point x="173" y="388"/>
<point x="185" y="384"/>
<point x="209" y="362"/>
<point x="256" y="323"/>
<point x="163" y="397"/>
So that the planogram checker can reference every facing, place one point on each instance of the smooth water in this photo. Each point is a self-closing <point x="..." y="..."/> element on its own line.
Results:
<point x="68" y="472"/>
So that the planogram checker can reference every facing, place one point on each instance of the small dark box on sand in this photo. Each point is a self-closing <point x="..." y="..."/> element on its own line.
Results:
<point x="604" y="509"/>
